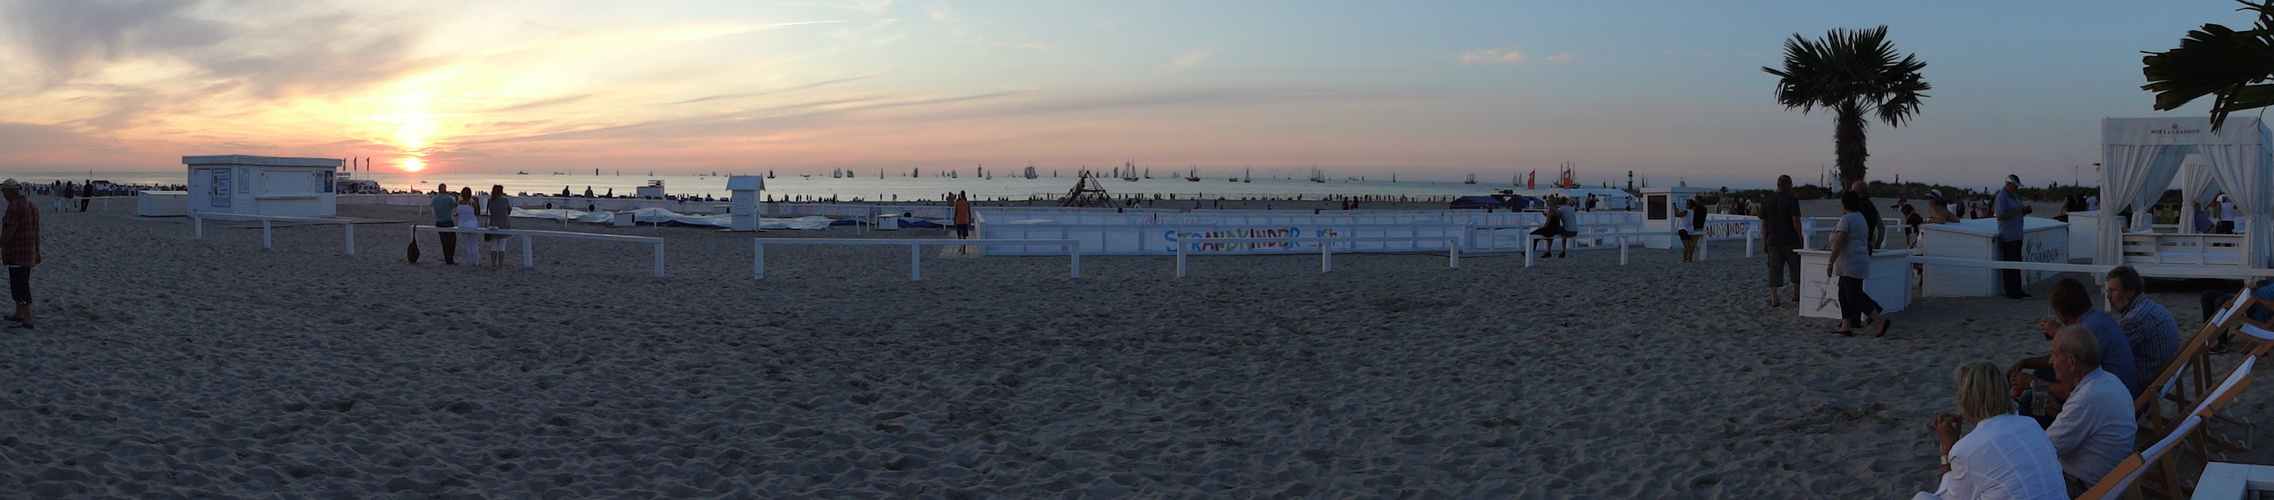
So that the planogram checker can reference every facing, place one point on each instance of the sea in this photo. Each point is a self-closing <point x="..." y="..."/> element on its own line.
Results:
<point x="870" y="188"/>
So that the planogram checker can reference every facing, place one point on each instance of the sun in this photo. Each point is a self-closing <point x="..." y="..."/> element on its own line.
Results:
<point x="413" y="164"/>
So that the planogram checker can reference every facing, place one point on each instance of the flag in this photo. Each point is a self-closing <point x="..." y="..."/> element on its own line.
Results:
<point x="1529" y="179"/>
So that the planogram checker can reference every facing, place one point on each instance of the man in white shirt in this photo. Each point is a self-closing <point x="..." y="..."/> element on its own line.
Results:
<point x="2095" y="428"/>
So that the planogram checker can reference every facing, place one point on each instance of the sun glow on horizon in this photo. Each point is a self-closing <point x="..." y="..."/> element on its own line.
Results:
<point x="413" y="164"/>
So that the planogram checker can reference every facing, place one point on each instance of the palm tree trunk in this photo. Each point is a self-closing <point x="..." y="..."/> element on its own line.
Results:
<point x="1848" y="144"/>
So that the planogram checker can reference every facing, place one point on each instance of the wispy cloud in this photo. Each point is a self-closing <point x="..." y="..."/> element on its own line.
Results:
<point x="783" y="90"/>
<point x="1492" y="56"/>
<point x="1191" y="58"/>
<point x="1563" y="57"/>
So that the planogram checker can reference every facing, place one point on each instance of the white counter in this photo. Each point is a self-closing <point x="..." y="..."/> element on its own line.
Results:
<point x="1889" y="284"/>
<point x="2042" y="240"/>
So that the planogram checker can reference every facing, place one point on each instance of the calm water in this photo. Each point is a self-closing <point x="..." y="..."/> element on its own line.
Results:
<point x="867" y="188"/>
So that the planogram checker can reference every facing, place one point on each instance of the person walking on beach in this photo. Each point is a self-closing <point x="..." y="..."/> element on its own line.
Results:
<point x="1870" y="215"/>
<point x="501" y="213"/>
<point x="19" y="249"/>
<point x="2010" y="213"/>
<point x="467" y="216"/>
<point x="962" y="216"/>
<point x="1690" y="226"/>
<point x="2007" y="455"/>
<point x="70" y="196"/>
<point x="1851" y="262"/>
<point x="55" y="195"/>
<point x="1780" y="218"/>
<point x="445" y="205"/>
<point x="87" y="194"/>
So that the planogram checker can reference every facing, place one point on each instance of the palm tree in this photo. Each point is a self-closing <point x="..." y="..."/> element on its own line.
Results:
<point x="1852" y="73"/>
<point x="2219" y="61"/>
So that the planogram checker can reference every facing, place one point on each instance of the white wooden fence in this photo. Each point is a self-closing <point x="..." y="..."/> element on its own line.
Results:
<point x="528" y="258"/>
<point x="268" y="240"/>
<point x="915" y="250"/>
<point x="1326" y="247"/>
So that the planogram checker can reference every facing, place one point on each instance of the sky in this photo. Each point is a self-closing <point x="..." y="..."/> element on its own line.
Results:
<point x="1672" y="91"/>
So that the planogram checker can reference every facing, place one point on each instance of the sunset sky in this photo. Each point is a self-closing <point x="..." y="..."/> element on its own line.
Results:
<point x="1428" y="89"/>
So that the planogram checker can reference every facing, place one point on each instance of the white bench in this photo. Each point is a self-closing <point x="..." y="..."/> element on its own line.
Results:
<point x="528" y="257"/>
<point x="197" y="225"/>
<point x="915" y="254"/>
<point x="1326" y="247"/>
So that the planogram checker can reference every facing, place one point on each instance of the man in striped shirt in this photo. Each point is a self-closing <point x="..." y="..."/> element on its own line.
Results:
<point x="2153" y="333"/>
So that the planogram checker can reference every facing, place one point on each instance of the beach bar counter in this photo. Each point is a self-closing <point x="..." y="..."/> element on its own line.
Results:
<point x="262" y="185"/>
<point x="1889" y="284"/>
<point x="2042" y="240"/>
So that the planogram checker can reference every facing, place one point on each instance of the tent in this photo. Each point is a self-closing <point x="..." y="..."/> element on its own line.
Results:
<point x="2141" y="156"/>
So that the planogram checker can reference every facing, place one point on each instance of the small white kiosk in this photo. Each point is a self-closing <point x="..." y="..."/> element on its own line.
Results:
<point x="2042" y="240"/>
<point x="262" y="185"/>
<point x="744" y="189"/>
<point x="1659" y="205"/>
<point x="1889" y="284"/>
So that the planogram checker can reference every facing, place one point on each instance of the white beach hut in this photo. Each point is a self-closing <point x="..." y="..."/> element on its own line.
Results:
<point x="2042" y="240"/>
<point x="2140" y="159"/>
<point x="1659" y="204"/>
<point x="744" y="208"/>
<point x="262" y="185"/>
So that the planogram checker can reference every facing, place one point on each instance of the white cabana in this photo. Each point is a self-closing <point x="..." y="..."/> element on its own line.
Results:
<point x="2141" y="157"/>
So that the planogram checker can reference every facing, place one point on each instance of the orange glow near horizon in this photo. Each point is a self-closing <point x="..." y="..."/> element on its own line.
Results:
<point x="413" y="164"/>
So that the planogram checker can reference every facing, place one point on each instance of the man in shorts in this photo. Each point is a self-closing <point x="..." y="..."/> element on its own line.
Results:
<point x="19" y="249"/>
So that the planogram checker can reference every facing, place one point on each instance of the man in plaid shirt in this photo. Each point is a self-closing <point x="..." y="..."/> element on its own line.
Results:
<point x="19" y="249"/>
<point x="2150" y="327"/>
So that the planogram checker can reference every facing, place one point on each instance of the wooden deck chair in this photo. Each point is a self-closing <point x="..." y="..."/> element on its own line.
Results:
<point x="2123" y="481"/>
<point x="2187" y="378"/>
<point x="2235" y="382"/>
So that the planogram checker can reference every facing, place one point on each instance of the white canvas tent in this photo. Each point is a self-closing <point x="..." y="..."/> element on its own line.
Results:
<point x="2141" y="157"/>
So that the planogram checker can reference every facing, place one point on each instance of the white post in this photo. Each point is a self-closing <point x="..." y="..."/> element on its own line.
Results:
<point x="1453" y="257"/>
<point x="1528" y="248"/>
<point x="757" y="259"/>
<point x="528" y="255"/>
<point x="659" y="259"/>
<point x="197" y="225"/>
<point x="1180" y="259"/>
<point x="350" y="226"/>
<point x="915" y="263"/>
<point x="1326" y="256"/>
<point x="1622" y="249"/>
<point x="1074" y="249"/>
<point x="1703" y="244"/>
<point x="266" y="241"/>
<point x="1752" y="231"/>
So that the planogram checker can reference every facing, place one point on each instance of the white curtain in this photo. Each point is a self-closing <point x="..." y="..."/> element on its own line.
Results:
<point x="2242" y="167"/>
<point x="2132" y="176"/>
<point x="2198" y="183"/>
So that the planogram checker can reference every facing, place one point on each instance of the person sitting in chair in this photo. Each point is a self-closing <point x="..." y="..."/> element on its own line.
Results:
<point x="2007" y="455"/>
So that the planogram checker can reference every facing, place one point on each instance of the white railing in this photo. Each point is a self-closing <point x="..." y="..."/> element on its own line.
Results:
<point x="1326" y="247"/>
<point x="2198" y="249"/>
<point x="197" y="225"/>
<point x="1704" y="244"/>
<point x="915" y="250"/>
<point x="2096" y="270"/>
<point x="528" y="256"/>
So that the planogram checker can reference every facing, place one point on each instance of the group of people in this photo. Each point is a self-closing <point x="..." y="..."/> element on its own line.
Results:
<point x="463" y="209"/>
<point x="2051" y="426"/>
<point x="67" y="196"/>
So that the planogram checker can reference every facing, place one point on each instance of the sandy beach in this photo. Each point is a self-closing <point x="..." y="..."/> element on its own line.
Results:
<point x="170" y="367"/>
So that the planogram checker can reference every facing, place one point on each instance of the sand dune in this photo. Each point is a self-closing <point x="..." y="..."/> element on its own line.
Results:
<point x="171" y="367"/>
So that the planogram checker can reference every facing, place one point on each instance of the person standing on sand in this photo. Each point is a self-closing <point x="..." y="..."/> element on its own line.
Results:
<point x="19" y="249"/>
<point x="1851" y="262"/>
<point x="467" y="217"/>
<point x="1937" y="212"/>
<point x="1780" y="218"/>
<point x="501" y="213"/>
<point x="2007" y="456"/>
<point x="444" y="204"/>
<point x="2010" y="213"/>
<point x="1689" y="225"/>
<point x="1870" y="215"/>
<point x="962" y="216"/>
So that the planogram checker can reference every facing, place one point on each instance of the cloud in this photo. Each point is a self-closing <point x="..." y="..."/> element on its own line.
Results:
<point x="1191" y="58"/>
<point x="780" y="90"/>
<point x="1492" y="56"/>
<point x="1562" y="57"/>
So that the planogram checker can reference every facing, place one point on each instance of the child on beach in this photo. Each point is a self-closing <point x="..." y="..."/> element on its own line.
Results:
<point x="464" y="216"/>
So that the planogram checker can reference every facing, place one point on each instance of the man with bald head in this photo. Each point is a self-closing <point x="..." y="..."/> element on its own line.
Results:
<point x="2095" y="428"/>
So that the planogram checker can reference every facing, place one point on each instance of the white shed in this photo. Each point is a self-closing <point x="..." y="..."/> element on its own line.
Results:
<point x="1659" y="204"/>
<point x="2042" y="240"/>
<point x="262" y="185"/>
<point x="744" y="207"/>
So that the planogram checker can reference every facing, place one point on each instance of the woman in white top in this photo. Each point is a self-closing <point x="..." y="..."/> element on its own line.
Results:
<point x="464" y="216"/>
<point x="2006" y="457"/>
<point x="2224" y="210"/>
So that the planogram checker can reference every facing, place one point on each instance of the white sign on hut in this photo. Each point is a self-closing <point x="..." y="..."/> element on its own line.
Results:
<point x="262" y="185"/>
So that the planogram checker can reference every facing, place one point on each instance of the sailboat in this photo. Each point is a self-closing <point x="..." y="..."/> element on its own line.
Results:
<point x="1472" y="179"/>
<point x="1148" y="172"/>
<point x="1129" y="171"/>
<point x="769" y="173"/>
<point x="1195" y="175"/>
<point x="880" y="173"/>
<point x="1030" y="170"/>
<point x="521" y="172"/>
<point x="1248" y="175"/>
<point x="1318" y="176"/>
